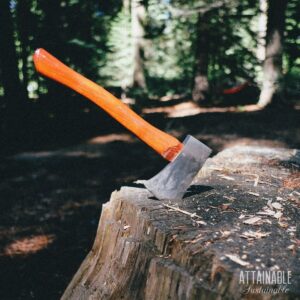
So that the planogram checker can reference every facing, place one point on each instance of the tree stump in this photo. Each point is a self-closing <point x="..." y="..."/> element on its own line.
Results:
<point x="240" y="214"/>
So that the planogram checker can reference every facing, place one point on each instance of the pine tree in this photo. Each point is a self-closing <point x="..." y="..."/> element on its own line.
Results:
<point x="118" y="71"/>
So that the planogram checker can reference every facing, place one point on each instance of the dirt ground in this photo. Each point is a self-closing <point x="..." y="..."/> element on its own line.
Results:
<point x="50" y="198"/>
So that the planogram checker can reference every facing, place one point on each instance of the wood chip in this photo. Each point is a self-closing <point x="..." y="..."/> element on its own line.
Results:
<point x="225" y="233"/>
<point x="266" y="221"/>
<point x="192" y="215"/>
<point x="256" y="180"/>
<point x="252" y="221"/>
<point x="277" y="205"/>
<point x="268" y="183"/>
<point x="201" y="222"/>
<point x="226" y="177"/>
<point x="278" y="215"/>
<point x="294" y="192"/>
<point x="237" y="260"/>
<point x="276" y="177"/>
<point x="291" y="247"/>
<point x="254" y="194"/>
<point x="254" y="234"/>
<point x="266" y="212"/>
<point x="216" y="169"/>
<point x="283" y="224"/>
<point x="269" y="203"/>
<point x="229" y="198"/>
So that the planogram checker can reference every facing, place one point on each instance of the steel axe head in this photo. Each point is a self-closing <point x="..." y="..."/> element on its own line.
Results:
<point x="173" y="181"/>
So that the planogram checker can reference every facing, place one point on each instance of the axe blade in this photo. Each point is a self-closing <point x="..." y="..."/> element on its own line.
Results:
<point x="172" y="182"/>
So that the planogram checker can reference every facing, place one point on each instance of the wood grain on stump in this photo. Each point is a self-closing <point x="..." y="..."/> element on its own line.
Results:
<point x="240" y="214"/>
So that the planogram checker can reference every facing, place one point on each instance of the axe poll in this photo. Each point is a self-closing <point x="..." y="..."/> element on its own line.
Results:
<point x="185" y="158"/>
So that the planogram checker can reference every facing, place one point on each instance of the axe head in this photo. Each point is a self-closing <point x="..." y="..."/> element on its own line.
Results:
<point x="172" y="182"/>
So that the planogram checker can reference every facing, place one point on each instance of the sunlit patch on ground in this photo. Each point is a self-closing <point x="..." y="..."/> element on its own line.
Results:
<point x="190" y="108"/>
<point x="108" y="138"/>
<point x="29" y="245"/>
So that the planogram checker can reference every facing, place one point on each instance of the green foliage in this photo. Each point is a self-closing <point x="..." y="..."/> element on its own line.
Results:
<point x="169" y="59"/>
<point x="169" y="55"/>
<point x="231" y="46"/>
<point x="94" y="37"/>
<point x="292" y="41"/>
<point x="118" y="68"/>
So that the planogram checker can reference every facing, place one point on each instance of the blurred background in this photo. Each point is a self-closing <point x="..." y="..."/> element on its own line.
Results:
<point x="144" y="51"/>
<point x="225" y="71"/>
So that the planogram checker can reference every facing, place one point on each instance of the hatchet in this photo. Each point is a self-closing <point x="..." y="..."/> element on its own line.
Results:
<point x="185" y="158"/>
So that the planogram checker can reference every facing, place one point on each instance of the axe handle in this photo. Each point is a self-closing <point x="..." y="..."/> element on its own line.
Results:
<point x="163" y="143"/>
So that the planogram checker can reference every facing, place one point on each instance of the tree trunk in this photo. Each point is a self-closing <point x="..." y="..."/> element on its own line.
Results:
<point x="126" y="5"/>
<point x="262" y="28"/>
<point x="272" y="68"/>
<point x="137" y="19"/>
<point x="51" y="37"/>
<point x="15" y="95"/>
<point x="201" y="85"/>
<point x="8" y="57"/>
<point x="23" y="20"/>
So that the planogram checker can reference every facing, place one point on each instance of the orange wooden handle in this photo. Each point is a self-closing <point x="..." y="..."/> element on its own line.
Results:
<point x="166" y="145"/>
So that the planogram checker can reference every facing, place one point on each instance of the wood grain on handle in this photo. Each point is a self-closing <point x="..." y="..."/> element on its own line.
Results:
<point x="166" y="145"/>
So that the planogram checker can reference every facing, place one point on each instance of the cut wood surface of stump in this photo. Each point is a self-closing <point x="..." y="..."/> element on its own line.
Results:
<point x="241" y="214"/>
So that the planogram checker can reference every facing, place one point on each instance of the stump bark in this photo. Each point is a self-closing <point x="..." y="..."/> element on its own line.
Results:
<point x="240" y="214"/>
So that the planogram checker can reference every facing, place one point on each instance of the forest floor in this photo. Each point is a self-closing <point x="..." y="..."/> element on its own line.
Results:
<point x="51" y="196"/>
